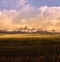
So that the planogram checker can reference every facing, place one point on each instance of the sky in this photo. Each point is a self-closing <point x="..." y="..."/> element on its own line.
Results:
<point x="43" y="14"/>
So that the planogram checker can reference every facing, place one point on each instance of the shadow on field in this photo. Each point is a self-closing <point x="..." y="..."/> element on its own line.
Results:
<point x="30" y="50"/>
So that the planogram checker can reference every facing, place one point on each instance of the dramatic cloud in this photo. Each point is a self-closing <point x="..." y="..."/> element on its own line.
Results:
<point x="47" y="18"/>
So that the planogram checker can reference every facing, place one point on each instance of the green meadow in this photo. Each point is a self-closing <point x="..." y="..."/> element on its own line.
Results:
<point x="30" y="47"/>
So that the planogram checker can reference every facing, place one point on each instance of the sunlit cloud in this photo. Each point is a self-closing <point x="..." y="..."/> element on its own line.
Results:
<point x="44" y="17"/>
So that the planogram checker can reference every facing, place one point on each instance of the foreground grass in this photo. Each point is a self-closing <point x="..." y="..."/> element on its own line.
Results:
<point x="30" y="47"/>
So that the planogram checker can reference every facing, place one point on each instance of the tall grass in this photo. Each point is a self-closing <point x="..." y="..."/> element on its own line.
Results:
<point x="30" y="47"/>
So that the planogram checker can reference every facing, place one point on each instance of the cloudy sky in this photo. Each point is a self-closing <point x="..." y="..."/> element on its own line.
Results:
<point x="43" y="14"/>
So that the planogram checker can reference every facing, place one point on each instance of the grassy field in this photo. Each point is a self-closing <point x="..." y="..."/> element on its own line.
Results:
<point x="30" y="47"/>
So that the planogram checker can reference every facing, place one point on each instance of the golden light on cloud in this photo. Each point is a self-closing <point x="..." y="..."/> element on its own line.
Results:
<point x="45" y="17"/>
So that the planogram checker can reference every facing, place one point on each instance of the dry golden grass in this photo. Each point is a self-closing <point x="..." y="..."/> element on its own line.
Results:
<point x="30" y="47"/>
<point x="29" y="35"/>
